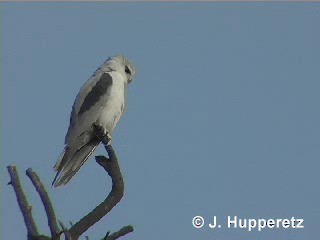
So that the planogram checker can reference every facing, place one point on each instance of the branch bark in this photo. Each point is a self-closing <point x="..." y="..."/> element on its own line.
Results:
<point x="22" y="202"/>
<point x="111" y="166"/>
<point x="123" y="231"/>
<point x="52" y="221"/>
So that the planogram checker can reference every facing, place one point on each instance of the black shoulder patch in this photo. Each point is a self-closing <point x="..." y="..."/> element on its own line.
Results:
<point x="97" y="91"/>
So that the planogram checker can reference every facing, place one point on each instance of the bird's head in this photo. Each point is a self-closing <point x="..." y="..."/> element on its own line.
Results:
<point x="122" y="65"/>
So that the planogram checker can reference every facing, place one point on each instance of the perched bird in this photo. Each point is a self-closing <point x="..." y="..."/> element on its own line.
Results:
<point x="100" y="102"/>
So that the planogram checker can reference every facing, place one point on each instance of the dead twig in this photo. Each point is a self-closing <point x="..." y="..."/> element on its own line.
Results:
<point x="22" y="202"/>
<point x="52" y="221"/>
<point x="123" y="231"/>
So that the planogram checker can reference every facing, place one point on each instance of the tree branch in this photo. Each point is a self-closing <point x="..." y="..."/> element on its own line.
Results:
<point x="123" y="231"/>
<point x="65" y="231"/>
<point x="52" y="221"/>
<point x="111" y="166"/>
<point x="23" y="203"/>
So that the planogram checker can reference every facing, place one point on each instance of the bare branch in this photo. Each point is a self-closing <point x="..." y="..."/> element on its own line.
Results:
<point x="23" y="203"/>
<point x="65" y="231"/>
<point x="107" y="235"/>
<point x="52" y="221"/>
<point x="123" y="231"/>
<point x="110" y="165"/>
<point x="112" y="168"/>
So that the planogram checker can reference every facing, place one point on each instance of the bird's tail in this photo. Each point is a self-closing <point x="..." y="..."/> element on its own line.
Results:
<point x="71" y="160"/>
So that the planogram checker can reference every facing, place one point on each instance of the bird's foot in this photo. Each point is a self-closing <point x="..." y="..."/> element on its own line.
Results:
<point x="105" y="137"/>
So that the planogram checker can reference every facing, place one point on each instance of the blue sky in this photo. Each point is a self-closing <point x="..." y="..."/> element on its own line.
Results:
<point x="222" y="119"/>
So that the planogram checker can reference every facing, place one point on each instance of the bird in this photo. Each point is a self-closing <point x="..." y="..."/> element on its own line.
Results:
<point x="100" y="104"/>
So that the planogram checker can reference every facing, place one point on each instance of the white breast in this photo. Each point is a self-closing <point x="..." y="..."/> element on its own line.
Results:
<point x="114" y="105"/>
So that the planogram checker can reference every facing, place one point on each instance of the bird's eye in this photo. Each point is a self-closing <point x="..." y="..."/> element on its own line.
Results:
<point x="127" y="70"/>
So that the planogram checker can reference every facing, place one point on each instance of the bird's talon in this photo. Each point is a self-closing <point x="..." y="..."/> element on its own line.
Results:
<point x="106" y="139"/>
<point x="98" y="130"/>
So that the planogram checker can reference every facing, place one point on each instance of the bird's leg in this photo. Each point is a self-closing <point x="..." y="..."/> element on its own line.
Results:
<point x="105" y="137"/>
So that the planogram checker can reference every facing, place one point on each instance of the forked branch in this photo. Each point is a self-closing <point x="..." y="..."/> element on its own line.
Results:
<point x="110" y="165"/>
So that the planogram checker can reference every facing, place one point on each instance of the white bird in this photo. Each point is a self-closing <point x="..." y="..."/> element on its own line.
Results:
<point x="100" y="102"/>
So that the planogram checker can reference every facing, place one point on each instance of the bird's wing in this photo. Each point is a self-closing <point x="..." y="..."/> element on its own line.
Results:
<point x="88" y="105"/>
<point x="80" y="140"/>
